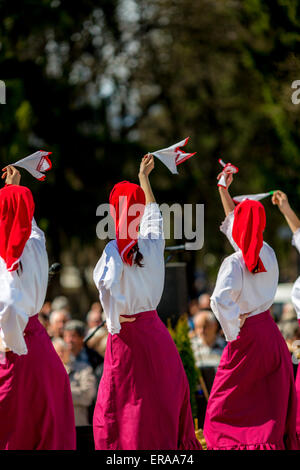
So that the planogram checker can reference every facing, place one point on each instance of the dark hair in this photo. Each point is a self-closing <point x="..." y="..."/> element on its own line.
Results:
<point x="20" y="268"/>
<point x="138" y="258"/>
<point x="77" y="326"/>
<point x="256" y="269"/>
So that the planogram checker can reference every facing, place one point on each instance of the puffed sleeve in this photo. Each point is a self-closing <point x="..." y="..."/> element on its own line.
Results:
<point x="226" y="228"/>
<point x="36" y="232"/>
<point x="296" y="239"/>
<point x="107" y="275"/>
<point x="13" y="319"/>
<point x="225" y="296"/>
<point x="296" y="287"/>
<point x="151" y="226"/>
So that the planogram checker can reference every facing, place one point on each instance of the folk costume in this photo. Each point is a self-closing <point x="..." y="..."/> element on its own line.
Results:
<point x="253" y="399"/>
<point x="36" y="409"/>
<point x="143" y="399"/>
<point x="296" y="303"/>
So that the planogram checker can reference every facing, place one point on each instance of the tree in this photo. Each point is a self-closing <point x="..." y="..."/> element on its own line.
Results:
<point x="183" y="344"/>
<point x="100" y="85"/>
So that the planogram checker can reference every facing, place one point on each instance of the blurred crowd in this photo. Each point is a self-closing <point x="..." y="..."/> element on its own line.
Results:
<point x="208" y="343"/>
<point x="82" y="357"/>
<point x="81" y="345"/>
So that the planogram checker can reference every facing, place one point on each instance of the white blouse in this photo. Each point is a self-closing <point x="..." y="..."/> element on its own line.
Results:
<point x="128" y="290"/>
<point x="296" y="286"/>
<point x="22" y="293"/>
<point x="238" y="291"/>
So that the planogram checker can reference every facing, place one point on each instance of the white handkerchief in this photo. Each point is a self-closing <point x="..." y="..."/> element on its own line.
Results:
<point x="253" y="197"/>
<point x="174" y="155"/>
<point x="227" y="168"/>
<point x="36" y="164"/>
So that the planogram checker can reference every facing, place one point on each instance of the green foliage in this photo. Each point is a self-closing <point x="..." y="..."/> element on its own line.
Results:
<point x="101" y="84"/>
<point x="183" y="344"/>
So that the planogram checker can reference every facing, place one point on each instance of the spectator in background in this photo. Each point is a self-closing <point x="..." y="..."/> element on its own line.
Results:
<point x="288" y="312"/>
<point x="82" y="381"/>
<point x="207" y="344"/>
<point x="290" y="331"/>
<point x="47" y="308"/>
<point x="44" y="315"/>
<point x="204" y="301"/>
<point x="193" y="308"/>
<point x="289" y="327"/>
<point x="58" y="319"/>
<point x="96" y="307"/>
<point x="99" y="340"/>
<point x="73" y="335"/>
<point x="61" y="303"/>
<point x="93" y="319"/>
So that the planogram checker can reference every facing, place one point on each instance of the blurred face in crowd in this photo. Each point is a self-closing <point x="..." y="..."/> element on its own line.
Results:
<point x="288" y="312"/>
<point x="58" y="319"/>
<point x="204" y="302"/>
<point x="74" y="341"/>
<point x="44" y="319"/>
<point x="94" y="319"/>
<point x="62" y="351"/>
<point x="46" y="308"/>
<point x="206" y="327"/>
<point x="193" y="307"/>
<point x="96" y="307"/>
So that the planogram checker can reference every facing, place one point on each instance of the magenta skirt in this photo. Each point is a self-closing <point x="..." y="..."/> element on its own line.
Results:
<point x="143" y="399"/>
<point x="298" y="398"/>
<point x="253" y="404"/>
<point x="36" y="409"/>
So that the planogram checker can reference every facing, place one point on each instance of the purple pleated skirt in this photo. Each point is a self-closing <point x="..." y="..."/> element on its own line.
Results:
<point x="143" y="400"/>
<point x="36" y="408"/>
<point x="253" y="402"/>
<point x="298" y="399"/>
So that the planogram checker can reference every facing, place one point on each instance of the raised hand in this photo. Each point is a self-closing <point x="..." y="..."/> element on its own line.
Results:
<point x="228" y="178"/>
<point x="147" y="164"/>
<point x="280" y="199"/>
<point x="11" y="175"/>
<point x="227" y="202"/>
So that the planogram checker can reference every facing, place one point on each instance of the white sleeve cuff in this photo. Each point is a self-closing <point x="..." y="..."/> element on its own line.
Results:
<point x="113" y="327"/>
<point x="230" y="327"/>
<point x="296" y="239"/>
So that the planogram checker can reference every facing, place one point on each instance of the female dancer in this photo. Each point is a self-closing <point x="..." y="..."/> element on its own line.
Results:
<point x="36" y="409"/>
<point x="143" y="398"/>
<point x="280" y="199"/>
<point x="253" y="399"/>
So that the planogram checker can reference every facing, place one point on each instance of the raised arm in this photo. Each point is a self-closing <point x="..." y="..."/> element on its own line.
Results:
<point x="151" y="226"/>
<point x="226" y="199"/>
<point x="11" y="175"/>
<point x="147" y="165"/>
<point x="280" y="199"/>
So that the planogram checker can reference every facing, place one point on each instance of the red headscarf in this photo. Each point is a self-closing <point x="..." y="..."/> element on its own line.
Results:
<point x="247" y="232"/>
<point x="122" y="197"/>
<point x="16" y="213"/>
